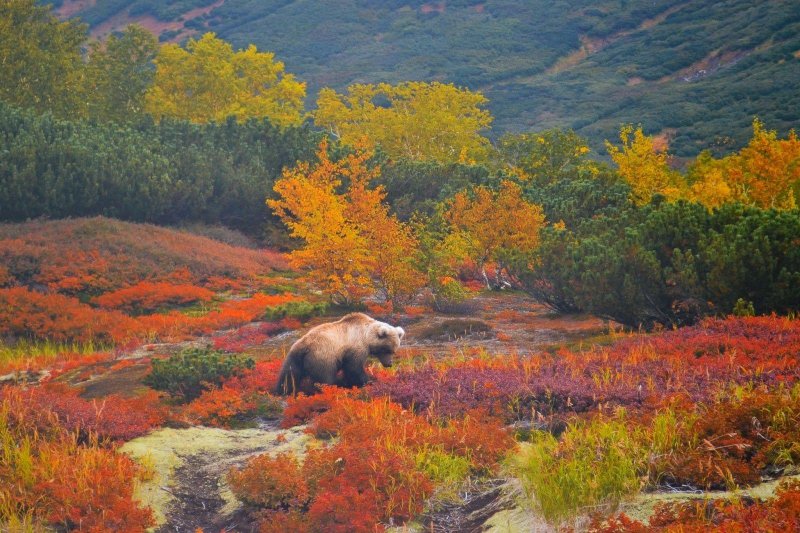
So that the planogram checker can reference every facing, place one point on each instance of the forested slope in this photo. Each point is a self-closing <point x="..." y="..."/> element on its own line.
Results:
<point x="693" y="71"/>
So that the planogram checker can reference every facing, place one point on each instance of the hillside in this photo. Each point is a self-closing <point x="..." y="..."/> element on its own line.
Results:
<point x="695" y="72"/>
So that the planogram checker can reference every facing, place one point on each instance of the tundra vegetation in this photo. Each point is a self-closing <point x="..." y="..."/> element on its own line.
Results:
<point x="113" y="326"/>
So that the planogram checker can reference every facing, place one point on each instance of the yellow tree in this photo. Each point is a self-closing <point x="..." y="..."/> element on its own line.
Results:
<point x="209" y="81"/>
<point x="351" y="244"/>
<point x="643" y="168"/>
<point x="493" y="226"/>
<point x="709" y="182"/>
<point x="415" y="120"/>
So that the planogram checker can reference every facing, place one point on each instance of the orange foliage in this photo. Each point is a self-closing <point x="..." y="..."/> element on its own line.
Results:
<point x="301" y="408"/>
<point x="494" y="223"/>
<point x="414" y="310"/>
<point x="55" y="317"/>
<point x="149" y="296"/>
<point x="763" y="173"/>
<point x="781" y="513"/>
<point x="370" y="475"/>
<point x="176" y="325"/>
<point x="270" y="483"/>
<point x="240" y="396"/>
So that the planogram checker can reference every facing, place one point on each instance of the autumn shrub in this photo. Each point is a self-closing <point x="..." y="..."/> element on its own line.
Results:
<point x="148" y="296"/>
<point x="281" y="522"/>
<point x="49" y="476"/>
<point x="226" y="406"/>
<point x="187" y="374"/>
<point x="242" y="397"/>
<point x="733" y="440"/>
<point x="509" y="388"/>
<point x="302" y="408"/>
<point x="271" y="483"/>
<point x="94" y="255"/>
<point x="388" y="456"/>
<point x="175" y="325"/>
<point x="32" y="315"/>
<point x="694" y="361"/>
<point x="344" y="511"/>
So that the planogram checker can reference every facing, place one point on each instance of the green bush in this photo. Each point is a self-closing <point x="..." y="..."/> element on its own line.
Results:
<point x="186" y="375"/>
<point x="595" y="463"/>
<point x="669" y="263"/>
<point x="299" y="310"/>
<point x="165" y="173"/>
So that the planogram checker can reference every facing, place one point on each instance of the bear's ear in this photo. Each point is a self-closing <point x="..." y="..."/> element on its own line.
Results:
<point x="382" y="332"/>
<point x="400" y="332"/>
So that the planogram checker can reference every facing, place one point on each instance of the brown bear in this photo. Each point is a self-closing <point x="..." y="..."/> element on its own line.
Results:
<point x="342" y="345"/>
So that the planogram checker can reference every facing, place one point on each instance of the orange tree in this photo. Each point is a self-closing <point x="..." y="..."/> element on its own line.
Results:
<point x="494" y="226"/>
<point x="765" y="173"/>
<point x="352" y="245"/>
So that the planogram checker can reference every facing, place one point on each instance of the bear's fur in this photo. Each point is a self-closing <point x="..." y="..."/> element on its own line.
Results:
<point x="342" y="345"/>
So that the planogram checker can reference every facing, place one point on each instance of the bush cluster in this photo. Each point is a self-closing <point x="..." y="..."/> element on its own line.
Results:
<point x="670" y="263"/>
<point x="189" y="373"/>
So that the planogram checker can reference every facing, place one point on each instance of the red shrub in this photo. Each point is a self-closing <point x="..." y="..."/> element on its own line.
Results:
<point x="100" y="254"/>
<point x="218" y="407"/>
<point x="111" y="417"/>
<point x="77" y="271"/>
<point x="282" y="522"/>
<point x="480" y="438"/>
<point x="301" y="408"/>
<point x="251" y="335"/>
<point x="58" y="478"/>
<point x="261" y="379"/>
<point x="240" y="397"/>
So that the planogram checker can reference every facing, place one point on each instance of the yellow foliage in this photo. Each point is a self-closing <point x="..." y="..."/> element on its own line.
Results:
<point x="209" y="81"/>
<point x="643" y="168"/>
<point x="416" y="120"/>
<point x="351" y="242"/>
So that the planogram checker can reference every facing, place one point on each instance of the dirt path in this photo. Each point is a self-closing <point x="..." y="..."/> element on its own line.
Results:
<point x="188" y="488"/>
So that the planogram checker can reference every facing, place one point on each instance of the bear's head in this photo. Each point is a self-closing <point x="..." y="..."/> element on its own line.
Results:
<point x="384" y="341"/>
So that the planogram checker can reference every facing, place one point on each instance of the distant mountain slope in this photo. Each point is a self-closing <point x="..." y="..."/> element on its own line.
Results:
<point x="695" y="71"/>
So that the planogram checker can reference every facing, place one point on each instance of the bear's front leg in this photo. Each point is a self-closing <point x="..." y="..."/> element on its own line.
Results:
<point x="354" y="373"/>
